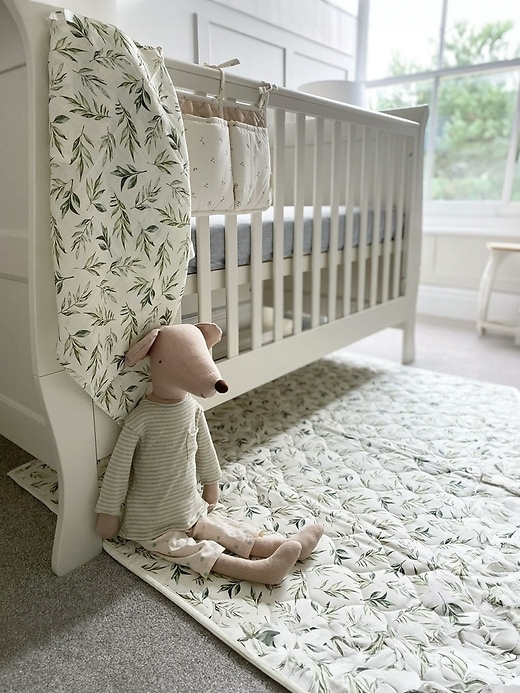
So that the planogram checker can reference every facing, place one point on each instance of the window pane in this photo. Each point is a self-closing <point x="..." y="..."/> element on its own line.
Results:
<point x="515" y="195"/>
<point x="472" y="138"/>
<point x="481" y="32"/>
<point x="403" y="37"/>
<point x="399" y="95"/>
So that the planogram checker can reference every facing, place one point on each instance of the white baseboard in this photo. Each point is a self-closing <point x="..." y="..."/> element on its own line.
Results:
<point x="461" y="304"/>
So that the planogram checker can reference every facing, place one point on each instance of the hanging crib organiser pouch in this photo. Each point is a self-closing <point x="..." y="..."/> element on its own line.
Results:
<point x="228" y="149"/>
<point x="120" y="202"/>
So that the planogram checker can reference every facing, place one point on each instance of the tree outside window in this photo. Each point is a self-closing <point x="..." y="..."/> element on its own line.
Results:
<point x="463" y="59"/>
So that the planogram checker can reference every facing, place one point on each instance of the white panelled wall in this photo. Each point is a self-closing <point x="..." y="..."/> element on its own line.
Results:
<point x="453" y="259"/>
<point x="286" y="43"/>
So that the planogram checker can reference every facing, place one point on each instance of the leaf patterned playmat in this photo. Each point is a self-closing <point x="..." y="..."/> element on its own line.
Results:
<point x="416" y="476"/>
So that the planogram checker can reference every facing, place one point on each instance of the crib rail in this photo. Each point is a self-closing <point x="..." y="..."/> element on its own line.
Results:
<point x="360" y="165"/>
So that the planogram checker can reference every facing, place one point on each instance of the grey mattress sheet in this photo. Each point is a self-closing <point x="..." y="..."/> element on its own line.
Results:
<point x="217" y="236"/>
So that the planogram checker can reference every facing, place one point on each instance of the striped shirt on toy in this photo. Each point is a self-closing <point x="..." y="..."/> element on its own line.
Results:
<point x="161" y="454"/>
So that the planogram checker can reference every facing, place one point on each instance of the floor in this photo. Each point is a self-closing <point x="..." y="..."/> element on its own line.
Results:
<point x="453" y="347"/>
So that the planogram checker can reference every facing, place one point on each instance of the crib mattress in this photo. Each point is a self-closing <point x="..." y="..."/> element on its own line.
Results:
<point x="217" y="234"/>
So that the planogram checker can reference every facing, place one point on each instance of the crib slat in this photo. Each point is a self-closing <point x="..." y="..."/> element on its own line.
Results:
<point x="350" y="189"/>
<point x="411" y="184"/>
<point x="204" y="270"/>
<point x="363" y="217"/>
<point x="317" y="223"/>
<point x="278" y="229"/>
<point x="376" y="227"/>
<point x="231" y="251"/>
<point x="334" y="221"/>
<point x="400" y="193"/>
<point x="256" y="280"/>
<point x="389" y="215"/>
<point x="299" y="201"/>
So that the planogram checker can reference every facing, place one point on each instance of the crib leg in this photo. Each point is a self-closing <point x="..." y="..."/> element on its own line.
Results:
<point x="71" y="420"/>
<point x="408" y="342"/>
<point x="76" y="541"/>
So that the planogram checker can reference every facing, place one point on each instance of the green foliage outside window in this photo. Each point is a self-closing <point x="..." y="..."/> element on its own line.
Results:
<point x="474" y="112"/>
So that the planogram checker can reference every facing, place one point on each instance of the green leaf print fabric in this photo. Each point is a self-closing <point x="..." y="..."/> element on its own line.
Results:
<point x="120" y="202"/>
<point x="415" y="586"/>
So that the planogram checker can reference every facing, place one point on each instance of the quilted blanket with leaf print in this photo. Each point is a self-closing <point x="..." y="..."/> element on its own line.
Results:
<point x="120" y="202"/>
<point x="416" y="584"/>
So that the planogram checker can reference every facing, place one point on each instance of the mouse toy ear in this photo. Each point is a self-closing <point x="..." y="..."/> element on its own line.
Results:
<point x="212" y="332"/>
<point x="141" y="348"/>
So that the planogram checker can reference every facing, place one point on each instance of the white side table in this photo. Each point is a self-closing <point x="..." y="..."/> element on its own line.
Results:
<point x="497" y="254"/>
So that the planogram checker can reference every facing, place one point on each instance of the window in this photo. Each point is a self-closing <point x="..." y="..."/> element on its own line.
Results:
<point x="462" y="58"/>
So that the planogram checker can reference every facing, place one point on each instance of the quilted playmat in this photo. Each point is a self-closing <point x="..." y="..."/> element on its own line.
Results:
<point x="416" y="477"/>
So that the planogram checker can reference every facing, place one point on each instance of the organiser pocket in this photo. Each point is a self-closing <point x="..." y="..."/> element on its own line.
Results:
<point x="209" y="155"/>
<point x="229" y="158"/>
<point x="251" y="166"/>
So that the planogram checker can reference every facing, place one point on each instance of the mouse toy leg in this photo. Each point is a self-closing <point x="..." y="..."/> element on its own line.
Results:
<point x="308" y="537"/>
<point x="269" y="571"/>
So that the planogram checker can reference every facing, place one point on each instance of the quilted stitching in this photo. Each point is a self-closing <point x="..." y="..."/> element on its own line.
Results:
<point x="416" y="585"/>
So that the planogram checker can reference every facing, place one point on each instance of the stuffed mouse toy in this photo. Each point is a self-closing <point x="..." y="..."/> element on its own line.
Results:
<point x="164" y="450"/>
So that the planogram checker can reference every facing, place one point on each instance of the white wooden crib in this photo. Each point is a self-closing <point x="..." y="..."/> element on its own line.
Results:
<point x="354" y="173"/>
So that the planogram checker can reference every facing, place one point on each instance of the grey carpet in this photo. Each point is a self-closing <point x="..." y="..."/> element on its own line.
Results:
<point x="102" y="629"/>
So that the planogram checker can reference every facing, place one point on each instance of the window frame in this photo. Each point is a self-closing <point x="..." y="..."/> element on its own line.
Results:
<point x="441" y="216"/>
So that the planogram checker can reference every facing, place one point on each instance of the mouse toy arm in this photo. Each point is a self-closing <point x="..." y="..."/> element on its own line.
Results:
<point x="107" y="525"/>
<point x="208" y="467"/>
<point x="115" y="484"/>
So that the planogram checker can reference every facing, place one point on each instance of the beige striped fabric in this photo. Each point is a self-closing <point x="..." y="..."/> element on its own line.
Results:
<point x="161" y="453"/>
